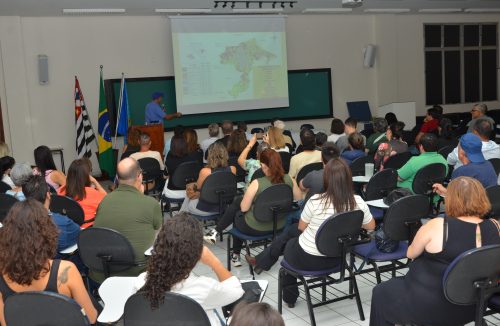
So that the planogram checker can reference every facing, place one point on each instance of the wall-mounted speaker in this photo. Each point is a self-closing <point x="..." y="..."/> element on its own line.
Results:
<point x="43" y="69"/>
<point x="369" y="55"/>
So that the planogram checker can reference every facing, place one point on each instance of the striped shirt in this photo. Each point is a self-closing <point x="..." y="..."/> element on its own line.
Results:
<point x="314" y="214"/>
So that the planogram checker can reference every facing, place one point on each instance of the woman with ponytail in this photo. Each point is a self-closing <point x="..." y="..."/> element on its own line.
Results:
<point x="241" y="210"/>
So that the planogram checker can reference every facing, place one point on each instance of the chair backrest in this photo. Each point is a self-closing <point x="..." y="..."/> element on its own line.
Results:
<point x="358" y="165"/>
<point x="176" y="310"/>
<point x="475" y="265"/>
<point x="397" y="161"/>
<point x="43" y="308"/>
<point x="338" y="232"/>
<point x="273" y="201"/>
<point x="445" y="151"/>
<point x="150" y="169"/>
<point x="308" y="168"/>
<point x="219" y="187"/>
<point x="4" y="187"/>
<point x="427" y="176"/>
<point x="186" y="172"/>
<point x="381" y="184"/>
<point x="493" y="193"/>
<point x="402" y="219"/>
<point x="105" y="250"/>
<point x="258" y="174"/>
<point x="6" y="202"/>
<point x="285" y="160"/>
<point x="67" y="206"/>
<point x="496" y="164"/>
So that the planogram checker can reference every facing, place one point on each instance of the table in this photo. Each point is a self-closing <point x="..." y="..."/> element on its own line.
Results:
<point x="379" y="203"/>
<point x="361" y="179"/>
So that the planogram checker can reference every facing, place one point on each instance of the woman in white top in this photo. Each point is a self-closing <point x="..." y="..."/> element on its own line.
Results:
<point x="298" y="243"/>
<point x="337" y="130"/>
<point x="177" y="250"/>
<point x="274" y="137"/>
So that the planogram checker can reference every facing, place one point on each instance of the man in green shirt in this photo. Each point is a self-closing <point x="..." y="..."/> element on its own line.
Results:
<point x="378" y="136"/>
<point x="428" y="155"/>
<point x="128" y="211"/>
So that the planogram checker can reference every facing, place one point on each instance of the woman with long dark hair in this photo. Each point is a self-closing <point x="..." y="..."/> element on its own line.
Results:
<point x="193" y="148"/>
<point x="47" y="168"/>
<point x="241" y="210"/>
<point x="177" y="250"/>
<point x="298" y="244"/>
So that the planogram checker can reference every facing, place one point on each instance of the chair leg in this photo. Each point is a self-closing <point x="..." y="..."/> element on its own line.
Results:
<point x="377" y="272"/>
<point x="351" y="264"/>
<point x="281" y="274"/>
<point x="247" y="248"/>
<point x="308" y="300"/>
<point x="356" y="294"/>
<point x="393" y="266"/>
<point x="228" y="251"/>
<point x="323" y="290"/>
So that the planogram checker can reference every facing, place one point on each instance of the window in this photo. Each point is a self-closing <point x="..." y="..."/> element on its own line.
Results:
<point x="460" y="63"/>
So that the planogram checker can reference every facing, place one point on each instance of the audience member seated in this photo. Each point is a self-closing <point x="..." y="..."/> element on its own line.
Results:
<point x="227" y="128"/>
<point x="6" y="164"/>
<point x="390" y="118"/>
<point x="350" y="127"/>
<point x="178" y="249"/>
<point x="4" y="149"/>
<point x="193" y="148"/>
<point x="20" y="174"/>
<point x="321" y="138"/>
<point x="378" y="136"/>
<point x="479" y="112"/>
<point x="242" y="126"/>
<point x="47" y="168"/>
<point x="28" y="243"/>
<point x="276" y="140"/>
<point x="287" y="135"/>
<point x="36" y="188"/>
<point x="213" y="135"/>
<point x="217" y="160"/>
<point x="473" y="164"/>
<point x="236" y="143"/>
<point x="428" y="155"/>
<point x="418" y="298"/>
<point x="431" y="124"/>
<point x="490" y="149"/>
<point x="249" y="164"/>
<point x="178" y="131"/>
<point x="132" y="145"/>
<point x="240" y="212"/>
<point x="309" y="154"/>
<point x="313" y="181"/>
<point x="298" y="243"/>
<point x="255" y="314"/>
<point x="395" y="145"/>
<point x="337" y="130"/>
<point x="145" y="151"/>
<point x="84" y="188"/>
<point x="130" y="212"/>
<point x="356" y="148"/>
<point x="446" y="134"/>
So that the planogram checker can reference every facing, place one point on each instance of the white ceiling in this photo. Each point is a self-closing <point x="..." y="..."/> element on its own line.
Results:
<point x="146" y="7"/>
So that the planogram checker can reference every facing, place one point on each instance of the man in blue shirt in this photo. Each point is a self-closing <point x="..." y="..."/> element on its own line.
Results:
<point x="154" y="110"/>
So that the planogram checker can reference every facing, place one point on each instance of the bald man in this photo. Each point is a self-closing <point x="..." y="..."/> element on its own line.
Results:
<point x="130" y="212"/>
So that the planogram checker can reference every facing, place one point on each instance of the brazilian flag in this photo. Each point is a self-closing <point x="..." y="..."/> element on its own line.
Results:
<point x="106" y="159"/>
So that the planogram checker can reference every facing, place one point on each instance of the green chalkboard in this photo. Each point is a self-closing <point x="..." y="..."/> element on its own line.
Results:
<point x="309" y="98"/>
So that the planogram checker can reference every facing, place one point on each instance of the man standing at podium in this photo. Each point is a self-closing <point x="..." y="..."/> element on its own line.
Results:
<point x="155" y="110"/>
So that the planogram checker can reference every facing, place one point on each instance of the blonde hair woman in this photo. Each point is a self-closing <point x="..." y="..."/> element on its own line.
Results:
<point x="274" y="137"/>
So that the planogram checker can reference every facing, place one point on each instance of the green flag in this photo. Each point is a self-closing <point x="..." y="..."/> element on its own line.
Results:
<point x="106" y="159"/>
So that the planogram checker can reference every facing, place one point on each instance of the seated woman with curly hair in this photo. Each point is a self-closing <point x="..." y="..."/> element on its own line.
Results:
<point x="27" y="226"/>
<point x="177" y="250"/>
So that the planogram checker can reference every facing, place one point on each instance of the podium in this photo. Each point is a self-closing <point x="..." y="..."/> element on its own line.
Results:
<point x="155" y="132"/>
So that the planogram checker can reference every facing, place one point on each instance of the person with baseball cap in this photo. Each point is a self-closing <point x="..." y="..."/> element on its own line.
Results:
<point x="154" y="110"/>
<point x="474" y="165"/>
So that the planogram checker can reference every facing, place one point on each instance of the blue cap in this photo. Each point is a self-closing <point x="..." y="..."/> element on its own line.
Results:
<point x="472" y="145"/>
<point x="156" y="95"/>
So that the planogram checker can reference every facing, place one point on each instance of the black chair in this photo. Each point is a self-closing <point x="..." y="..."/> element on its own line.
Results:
<point x="151" y="172"/>
<point x="426" y="177"/>
<point x="358" y="165"/>
<point x="397" y="161"/>
<point x="445" y="151"/>
<point x="285" y="160"/>
<point x="379" y="186"/>
<point x="185" y="173"/>
<point x="472" y="278"/>
<point x="4" y="187"/>
<point x="258" y="174"/>
<point x="176" y="310"/>
<point x="106" y="251"/>
<point x="496" y="164"/>
<point x="401" y="223"/>
<point x="334" y="238"/>
<point x="493" y="193"/>
<point x="43" y="308"/>
<point x="271" y="205"/>
<point x="6" y="202"/>
<point x="240" y="172"/>
<point x="67" y="206"/>
<point x="308" y="168"/>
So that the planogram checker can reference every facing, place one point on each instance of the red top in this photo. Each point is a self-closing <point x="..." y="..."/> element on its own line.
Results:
<point x="430" y="126"/>
<point x="89" y="203"/>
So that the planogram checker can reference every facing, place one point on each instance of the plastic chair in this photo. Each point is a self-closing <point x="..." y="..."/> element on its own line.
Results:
<point x="445" y="151"/>
<point x="426" y="177"/>
<point x="496" y="164"/>
<point x="151" y="172"/>
<point x="401" y="223"/>
<point x="308" y="168"/>
<point x="397" y="161"/>
<point x="472" y="278"/>
<point x="358" y="165"/>
<point x="379" y="186"/>
<point x="493" y="193"/>
<point x="285" y="160"/>
<point x="176" y="309"/>
<point x="4" y="187"/>
<point x="334" y="238"/>
<point x="43" y="308"/>
<point x="67" y="206"/>
<point x="271" y="205"/>
<point x="185" y="173"/>
<point x="6" y="202"/>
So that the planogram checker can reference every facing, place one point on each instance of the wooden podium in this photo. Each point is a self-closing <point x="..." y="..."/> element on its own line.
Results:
<point x="154" y="131"/>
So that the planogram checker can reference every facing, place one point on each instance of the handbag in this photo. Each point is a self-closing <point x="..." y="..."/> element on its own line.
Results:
<point x="383" y="242"/>
<point x="396" y="194"/>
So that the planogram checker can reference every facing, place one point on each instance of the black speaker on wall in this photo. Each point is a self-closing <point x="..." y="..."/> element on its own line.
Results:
<point x="43" y="69"/>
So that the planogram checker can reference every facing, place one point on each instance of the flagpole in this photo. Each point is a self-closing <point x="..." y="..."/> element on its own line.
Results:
<point x="120" y="107"/>
<point x="90" y="122"/>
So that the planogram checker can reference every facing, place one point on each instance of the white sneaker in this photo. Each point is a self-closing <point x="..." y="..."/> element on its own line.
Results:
<point x="236" y="260"/>
<point x="211" y="236"/>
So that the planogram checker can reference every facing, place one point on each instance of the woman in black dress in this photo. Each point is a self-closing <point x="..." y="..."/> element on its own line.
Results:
<point x="418" y="297"/>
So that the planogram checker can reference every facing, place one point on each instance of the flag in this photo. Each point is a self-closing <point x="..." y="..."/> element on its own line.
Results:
<point x="123" y="113"/>
<point x="84" y="131"/>
<point x="106" y="159"/>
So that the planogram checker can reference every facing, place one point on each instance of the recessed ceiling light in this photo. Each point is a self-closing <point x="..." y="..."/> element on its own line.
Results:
<point x="257" y="10"/>
<point x="483" y="10"/>
<point x="94" y="11"/>
<point x="439" y="10"/>
<point x="326" y="10"/>
<point x="183" y="11"/>
<point x="387" y="10"/>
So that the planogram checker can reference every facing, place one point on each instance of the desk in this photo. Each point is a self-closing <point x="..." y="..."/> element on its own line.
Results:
<point x="379" y="203"/>
<point x="148" y="251"/>
<point x="361" y="179"/>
